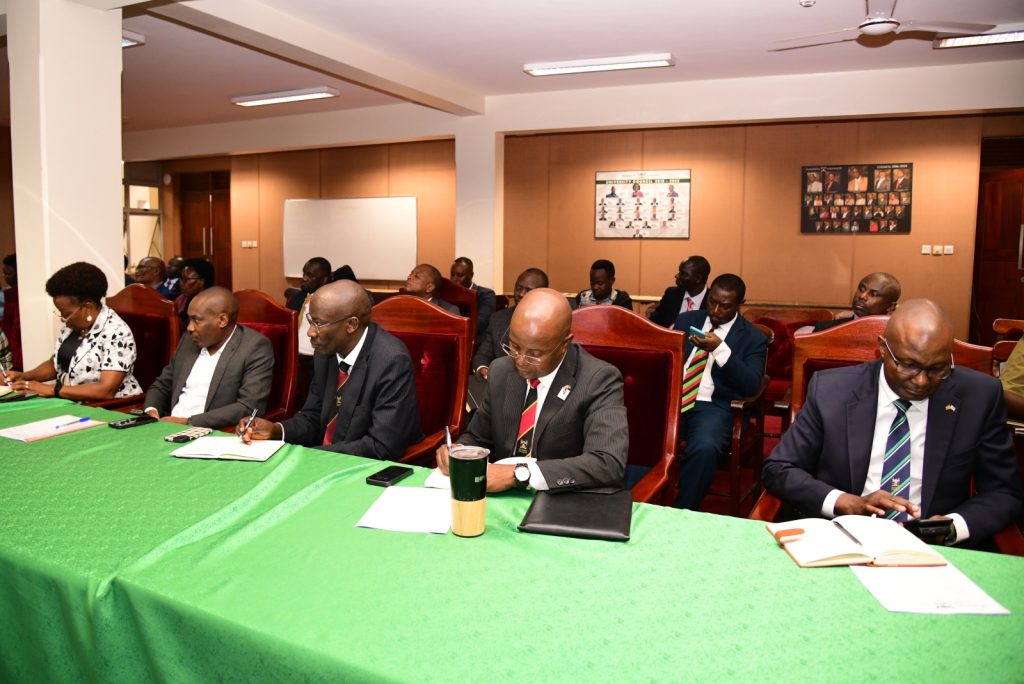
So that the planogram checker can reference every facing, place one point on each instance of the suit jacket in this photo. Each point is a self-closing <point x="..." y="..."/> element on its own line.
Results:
<point x="490" y="343"/>
<point x="829" y="447"/>
<point x="485" y="303"/>
<point x="296" y="301"/>
<point x="826" y="324"/>
<point x="741" y="376"/>
<point x="378" y="416"/>
<point x="581" y="440"/>
<point x="240" y="383"/>
<point x="447" y="306"/>
<point x="667" y="311"/>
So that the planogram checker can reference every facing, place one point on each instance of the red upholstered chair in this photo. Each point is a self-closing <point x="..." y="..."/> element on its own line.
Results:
<point x="462" y="297"/>
<point x="156" y="328"/>
<point x="650" y="359"/>
<point x="281" y="326"/>
<point x="440" y="344"/>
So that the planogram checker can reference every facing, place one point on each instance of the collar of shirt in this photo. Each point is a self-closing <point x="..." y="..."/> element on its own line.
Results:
<point x="695" y="299"/>
<point x="545" y="385"/>
<point x="720" y="330"/>
<point x="351" y="357"/>
<point x="205" y="351"/>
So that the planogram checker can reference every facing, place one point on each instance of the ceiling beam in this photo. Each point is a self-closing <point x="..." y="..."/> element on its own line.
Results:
<point x="263" y="28"/>
<point x="109" y="4"/>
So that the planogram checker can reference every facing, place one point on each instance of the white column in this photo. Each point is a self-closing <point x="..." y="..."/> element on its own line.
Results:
<point x="479" y="176"/>
<point x="65" y="79"/>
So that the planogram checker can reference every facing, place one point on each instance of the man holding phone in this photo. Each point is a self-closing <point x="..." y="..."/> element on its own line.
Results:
<point x="725" y="356"/>
<point x="903" y="437"/>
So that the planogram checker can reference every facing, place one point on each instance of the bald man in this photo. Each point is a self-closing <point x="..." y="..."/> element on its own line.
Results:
<point x="550" y="400"/>
<point x="220" y="372"/>
<point x="151" y="272"/>
<point x="362" y="398"/>
<point x="832" y="461"/>
<point x="876" y="295"/>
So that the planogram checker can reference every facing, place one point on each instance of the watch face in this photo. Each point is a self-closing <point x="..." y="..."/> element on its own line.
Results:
<point x="522" y="473"/>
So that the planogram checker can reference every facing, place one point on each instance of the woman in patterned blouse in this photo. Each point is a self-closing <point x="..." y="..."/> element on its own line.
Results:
<point x="95" y="351"/>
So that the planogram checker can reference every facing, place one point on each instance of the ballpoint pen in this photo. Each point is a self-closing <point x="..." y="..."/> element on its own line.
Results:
<point x="448" y="438"/>
<point x="7" y="380"/>
<point x="847" y="533"/>
<point x="70" y="423"/>
<point x="241" y="435"/>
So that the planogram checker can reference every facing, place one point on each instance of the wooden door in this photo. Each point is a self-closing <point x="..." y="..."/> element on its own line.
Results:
<point x="998" y="252"/>
<point x="206" y="221"/>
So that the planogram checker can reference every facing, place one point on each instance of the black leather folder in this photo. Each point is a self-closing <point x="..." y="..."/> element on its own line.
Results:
<point x="585" y="515"/>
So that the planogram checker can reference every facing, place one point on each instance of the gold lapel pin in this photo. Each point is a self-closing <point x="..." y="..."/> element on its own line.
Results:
<point x="950" y="407"/>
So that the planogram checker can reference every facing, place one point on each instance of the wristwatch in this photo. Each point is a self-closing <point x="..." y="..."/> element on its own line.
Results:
<point x="522" y="475"/>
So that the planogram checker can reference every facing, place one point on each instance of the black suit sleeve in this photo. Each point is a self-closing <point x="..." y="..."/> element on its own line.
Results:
<point x="306" y="427"/>
<point x="488" y="349"/>
<point x="745" y="368"/>
<point x="484" y="310"/>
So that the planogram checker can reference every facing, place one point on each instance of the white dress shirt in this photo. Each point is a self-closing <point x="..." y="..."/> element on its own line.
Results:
<point x="685" y="306"/>
<point x="720" y="356"/>
<point x="192" y="400"/>
<point x="917" y="419"/>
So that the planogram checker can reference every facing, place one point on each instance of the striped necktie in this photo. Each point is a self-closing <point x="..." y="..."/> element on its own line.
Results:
<point x="691" y="379"/>
<point x="528" y="421"/>
<point x="896" y="464"/>
<point x="343" y="369"/>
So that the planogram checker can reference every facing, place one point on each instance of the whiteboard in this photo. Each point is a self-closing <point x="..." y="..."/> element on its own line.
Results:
<point x="375" y="236"/>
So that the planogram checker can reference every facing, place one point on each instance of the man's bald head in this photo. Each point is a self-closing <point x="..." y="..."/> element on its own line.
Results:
<point x="340" y="311"/>
<point x="540" y="328"/>
<point x="343" y="298"/>
<point x="920" y="336"/>
<point x="216" y="301"/>
<point x="211" y="317"/>
<point x="150" y="271"/>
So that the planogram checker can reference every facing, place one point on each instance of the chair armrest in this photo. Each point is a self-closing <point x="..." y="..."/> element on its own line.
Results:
<point x="1009" y="540"/>
<point x="422" y="452"/>
<point x="751" y="401"/>
<point x="650" y="487"/>
<point x="766" y="508"/>
<point x="783" y="403"/>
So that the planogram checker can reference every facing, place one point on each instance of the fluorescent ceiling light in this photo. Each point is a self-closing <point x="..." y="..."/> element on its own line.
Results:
<point x="983" y="39"/>
<point x="131" y="38"/>
<point x="582" y="66"/>
<point x="317" y="93"/>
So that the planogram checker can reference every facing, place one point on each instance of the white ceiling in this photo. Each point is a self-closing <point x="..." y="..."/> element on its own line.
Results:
<point x="182" y="76"/>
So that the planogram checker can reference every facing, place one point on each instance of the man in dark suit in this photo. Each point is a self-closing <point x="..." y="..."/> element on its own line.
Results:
<point x="315" y="274"/>
<point x="362" y="400"/>
<point x="462" y="274"/>
<point x="831" y="461"/>
<point x="551" y="400"/>
<point x="876" y="295"/>
<point x="723" y="364"/>
<point x="423" y="282"/>
<point x="497" y="331"/>
<point x="687" y="295"/>
<point x="220" y="372"/>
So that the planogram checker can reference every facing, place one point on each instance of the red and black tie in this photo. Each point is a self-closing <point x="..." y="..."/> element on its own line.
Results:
<point x="343" y="369"/>
<point x="524" y="442"/>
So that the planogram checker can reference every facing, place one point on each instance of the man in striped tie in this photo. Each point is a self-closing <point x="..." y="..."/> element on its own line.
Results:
<point x="724" y="362"/>
<point x="903" y="437"/>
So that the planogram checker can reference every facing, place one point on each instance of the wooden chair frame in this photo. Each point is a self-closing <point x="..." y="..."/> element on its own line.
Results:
<point x="462" y="297"/>
<point x="255" y="306"/>
<point x="613" y="326"/>
<point x="407" y="314"/>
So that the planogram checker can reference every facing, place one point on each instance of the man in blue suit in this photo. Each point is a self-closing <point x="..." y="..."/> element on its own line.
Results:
<point x="724" y="363"/>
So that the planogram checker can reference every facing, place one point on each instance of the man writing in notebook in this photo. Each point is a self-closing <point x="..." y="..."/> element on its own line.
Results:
<point x="903" y="436"/>
<point x="550" y="400"/>
<point x="362" y="398"/>
<point x="220" y="372"/>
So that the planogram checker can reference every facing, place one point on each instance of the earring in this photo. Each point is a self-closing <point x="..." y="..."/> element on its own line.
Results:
<point x="89" y="318"/>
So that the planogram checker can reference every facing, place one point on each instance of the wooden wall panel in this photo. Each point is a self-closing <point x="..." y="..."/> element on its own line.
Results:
<point x="572" y="248"/>
<point x="716" y="217"/>
<point x="245" y="224"/>
<point x="354" y="172"/>
<point x="1002" y="125"/>
<point x="426" y="170"/>
<point x="6" y="194"/>
<point x="526" y="202"/>
<point x="286" y="175"/>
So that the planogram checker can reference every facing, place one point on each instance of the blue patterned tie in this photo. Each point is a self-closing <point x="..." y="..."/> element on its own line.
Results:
<point x="896" y="464"/>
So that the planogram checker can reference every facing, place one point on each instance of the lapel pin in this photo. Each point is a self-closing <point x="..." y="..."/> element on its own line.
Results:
<point x="564" y="392"/>
<point x="950" y="407"/>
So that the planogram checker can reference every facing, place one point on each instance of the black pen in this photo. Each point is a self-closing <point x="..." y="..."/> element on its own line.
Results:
<point x="847" y="533"/>
<point x="241" y="435"/>
<point x="7" y="380"/>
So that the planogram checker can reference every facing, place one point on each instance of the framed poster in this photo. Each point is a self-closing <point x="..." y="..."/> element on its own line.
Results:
<point x="642" y="204"/>
<point x="858" y="198"/>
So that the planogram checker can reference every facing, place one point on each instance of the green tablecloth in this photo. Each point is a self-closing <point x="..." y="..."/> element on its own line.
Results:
<point x="121" y="563"/>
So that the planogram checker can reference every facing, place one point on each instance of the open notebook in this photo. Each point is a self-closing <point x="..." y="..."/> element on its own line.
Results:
<point x="852" y="540"/>
<point x="229" y="449"/>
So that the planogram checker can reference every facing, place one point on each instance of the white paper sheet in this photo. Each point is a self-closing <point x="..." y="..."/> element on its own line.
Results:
<point x="229" y="449"/>
<point x="410" y="509"/>
<point x="942" y="590"/>
<point x="50" y="427"/>
<point x="435" y="480"/>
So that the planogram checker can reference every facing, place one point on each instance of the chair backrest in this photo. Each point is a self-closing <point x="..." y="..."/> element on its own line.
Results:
<point x="379" y="296"/>
<point x="440" y="345"/>
<point x="967" y="355"/>
<point x="462" y="297"/>
<point x="783" y="323"/>
<point x="788" y="315"/>
<point x="281" y="326"/>
<point x="155" y="326"/>
<point x="1008" y="328"/>
<point x="650" y="359"/>
<point x="1001" y="354"/>
<point x="844" y="345"/>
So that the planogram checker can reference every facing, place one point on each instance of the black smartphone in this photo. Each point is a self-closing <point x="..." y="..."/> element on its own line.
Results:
<point x="930" y="529"/>
<point x="389" y="476"/>
<point x="131" y="422"/>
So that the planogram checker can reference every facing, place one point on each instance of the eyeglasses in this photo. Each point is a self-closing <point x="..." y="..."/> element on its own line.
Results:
<point x="320" y="326"/>
<point x="63" y="318"/>
<point x="526" y="358"/>
<point x="912" y="370"/>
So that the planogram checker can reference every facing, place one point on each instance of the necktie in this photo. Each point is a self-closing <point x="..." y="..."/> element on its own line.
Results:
<point x="342" y="379"/>
<point x="528" y="421"/>
<point x="896" y="464"/>
<point x="689" y="304"/>
<point x="691" y="379"/>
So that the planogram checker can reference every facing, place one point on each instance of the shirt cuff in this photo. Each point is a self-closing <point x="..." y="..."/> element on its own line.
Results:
<point x="282" y="431"/>
<point x="537" y="480"/>
<point x="721" y="354"/>
<point x="151" y="408"/>
<point x="828" y="506"/>
<point x="960" y="527"/>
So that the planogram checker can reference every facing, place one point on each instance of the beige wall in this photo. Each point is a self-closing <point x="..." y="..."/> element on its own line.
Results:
<point x="745" y="207"/>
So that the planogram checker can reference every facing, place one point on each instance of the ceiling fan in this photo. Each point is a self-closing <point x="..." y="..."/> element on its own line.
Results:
<point x="880" y="23"/>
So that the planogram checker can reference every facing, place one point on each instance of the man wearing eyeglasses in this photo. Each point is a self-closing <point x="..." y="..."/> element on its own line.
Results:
<point x="903" y="437"/>
<point x="362" y="398"/>
<point x="551" y="406"/>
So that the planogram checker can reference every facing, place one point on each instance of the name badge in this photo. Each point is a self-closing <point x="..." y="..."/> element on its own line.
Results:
<point x="564" y="392"/>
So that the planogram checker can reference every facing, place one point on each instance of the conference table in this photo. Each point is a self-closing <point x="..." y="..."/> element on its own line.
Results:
<point x="120" y="563"/>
